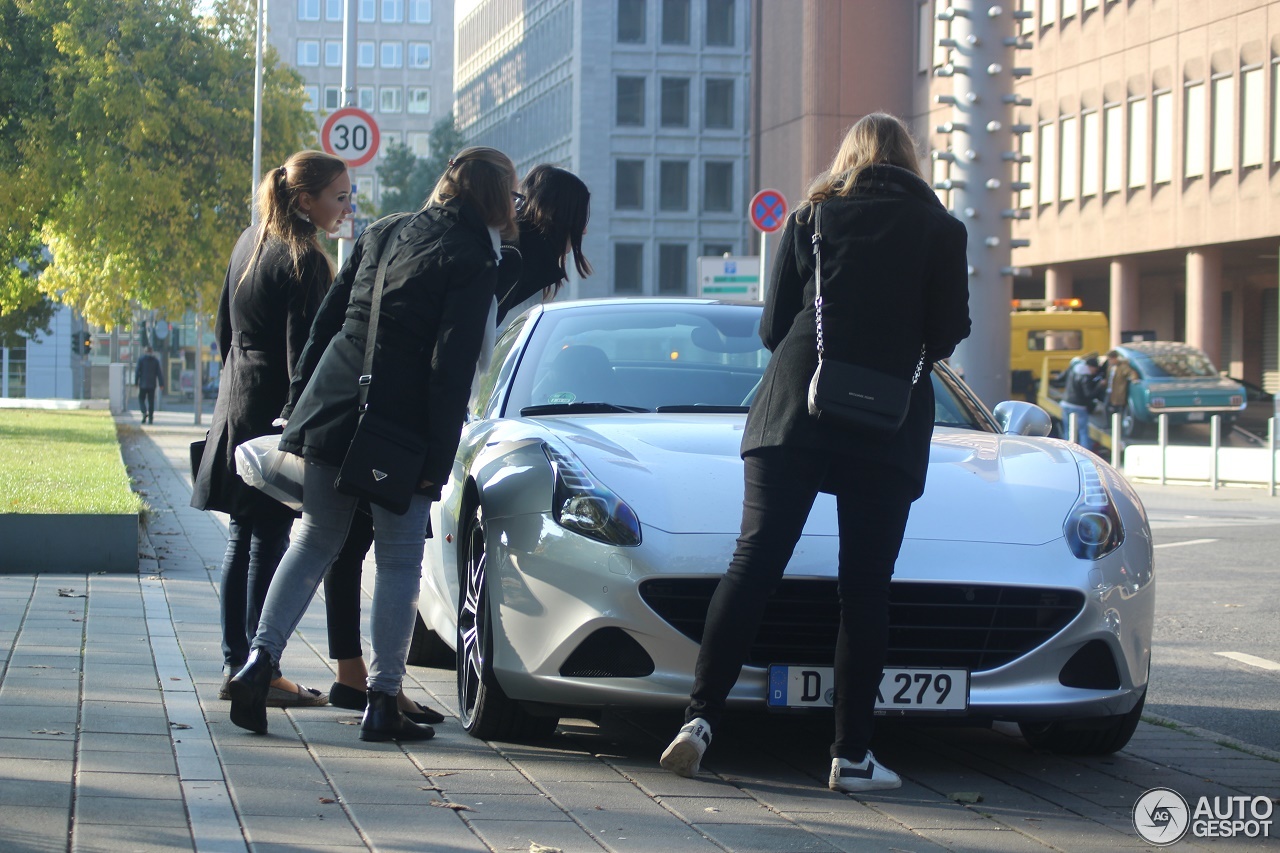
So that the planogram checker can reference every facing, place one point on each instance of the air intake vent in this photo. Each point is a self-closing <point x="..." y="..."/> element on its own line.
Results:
<point x="608" y="653"/>
<point x="1093" y="668"/>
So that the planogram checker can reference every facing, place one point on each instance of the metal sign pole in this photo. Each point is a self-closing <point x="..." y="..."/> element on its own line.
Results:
<point x="348" y="93"/>
<point x="764" y="267"/>
<point x="257" y="117"/>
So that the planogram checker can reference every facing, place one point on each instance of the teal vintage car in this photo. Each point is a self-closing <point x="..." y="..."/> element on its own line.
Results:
<point x="1178" y="380"/>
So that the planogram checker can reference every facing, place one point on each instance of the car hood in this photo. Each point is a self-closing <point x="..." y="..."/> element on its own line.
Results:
<point x="683" y="474"/>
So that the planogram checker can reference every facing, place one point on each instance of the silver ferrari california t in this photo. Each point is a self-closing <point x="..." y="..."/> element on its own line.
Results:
<point x="595" y="501"/>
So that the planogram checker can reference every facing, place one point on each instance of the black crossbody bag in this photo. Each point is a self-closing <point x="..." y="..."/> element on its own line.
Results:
<point x="849" y="394"/>
<point x="384" y="458"/>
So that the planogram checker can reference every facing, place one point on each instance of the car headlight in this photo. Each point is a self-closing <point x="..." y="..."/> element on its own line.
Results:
<point x="581" y="504"/>
<point x="1093" y="527"/>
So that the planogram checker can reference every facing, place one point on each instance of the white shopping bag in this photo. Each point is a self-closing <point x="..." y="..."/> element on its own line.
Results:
<point x="277" y="473"/>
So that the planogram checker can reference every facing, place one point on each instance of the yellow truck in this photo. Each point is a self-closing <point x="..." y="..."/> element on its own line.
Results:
<point x="1042" y="327"/>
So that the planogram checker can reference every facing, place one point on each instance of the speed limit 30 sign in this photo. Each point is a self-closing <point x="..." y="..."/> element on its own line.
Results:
<point x="351" y="134"/>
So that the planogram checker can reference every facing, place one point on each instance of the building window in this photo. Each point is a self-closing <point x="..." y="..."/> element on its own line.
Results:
<point x="717" y="187"/>
<point x="332" y="97"/>
<point x="1029" y="22"/>
<point x="1224" y="96"/>
<point x="1090" y="164"/>
<point x="308" y="10"/>
<point x="392" y="54"/>
<point x="1069" y="170"/>
<point x="1112" y="148"/>
<point x="419" y="54"/>
<point x="1275" y="110"/>
<point x="1252" y="117"/>
<point x="420" y="100"/>
<point x="1048" y="160"/>
<point x="365" y="96"/>
<point x="1070" y="8"/>
<point x="629" y="185"/>
<point x="717" y="250"/>
<point x="368" y="11"/>
<point x="630" y="106"/>
<point x="1138" y="143"/>
<point x="333" y="53"/>
<point x="941" y="174"/>
<point x="310" y="98"/>
<point x="720" y="29"/>
<point x="628" y="267"/>
<point x="392" y="11"/>
<point x="631" y="21"/>
<point x="675" y="102"/>
<point x="419" y="11"/>
<point x="717" y="105"/>
<point x="308" y="52"/>
<point x="675" y="21"/>
<point x="389" y="99"/>
<point x="673" y="268"/>
<point x="1162" y="137"/>
<point x="1090" y="4"/>
<point x="366" y="54"/>
<point x="390" y="140"/>
<point x="1193" y="121"/>
<point x="419" y="143"/>
<point x="673" y="185"/>
<point x="333" y="10"/>
<point x="1048" y="12"/>
<point x="1026" y="168"/>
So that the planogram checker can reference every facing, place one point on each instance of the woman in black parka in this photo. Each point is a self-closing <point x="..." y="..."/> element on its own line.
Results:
<point x="441" y="275"/>
<point x="895" y="277"/>
<point x="276" y="279"/>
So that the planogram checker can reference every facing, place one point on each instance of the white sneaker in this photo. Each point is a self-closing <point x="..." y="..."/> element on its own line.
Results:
<point x="868" y="775"/>
<point x="684" y="755"/>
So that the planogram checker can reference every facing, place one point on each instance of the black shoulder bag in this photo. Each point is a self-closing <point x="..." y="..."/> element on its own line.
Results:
<point x="848" y="394"/>
<point x="384" y="458"/>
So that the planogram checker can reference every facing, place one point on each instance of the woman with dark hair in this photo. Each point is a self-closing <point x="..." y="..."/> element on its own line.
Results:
<point x="440" y="277"/>
<point x="277" y="276"/>
<point x="895" y="299"/>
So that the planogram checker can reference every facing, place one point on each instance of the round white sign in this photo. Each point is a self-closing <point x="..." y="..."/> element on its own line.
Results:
<point x="351" y="134"/>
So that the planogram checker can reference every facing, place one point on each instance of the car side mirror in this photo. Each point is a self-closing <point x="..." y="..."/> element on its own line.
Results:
<point x="1018" y="417"/>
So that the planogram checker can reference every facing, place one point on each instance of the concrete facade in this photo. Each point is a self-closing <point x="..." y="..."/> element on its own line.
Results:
<point x="646" y="100"/>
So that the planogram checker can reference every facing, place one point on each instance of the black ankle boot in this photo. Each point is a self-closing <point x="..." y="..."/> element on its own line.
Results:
<point x="249" y="688"/>
<point x="384" y="721"/>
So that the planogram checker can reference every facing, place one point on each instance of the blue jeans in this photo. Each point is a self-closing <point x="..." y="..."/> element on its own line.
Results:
<point x="254" y="549"/>
<point x="398" y="542"/>
<point x="1082" y="424"/>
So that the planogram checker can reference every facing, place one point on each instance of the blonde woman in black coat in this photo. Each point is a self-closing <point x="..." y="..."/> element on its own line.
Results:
<point x="894" y="278"/>
<point x="275" y="282"/>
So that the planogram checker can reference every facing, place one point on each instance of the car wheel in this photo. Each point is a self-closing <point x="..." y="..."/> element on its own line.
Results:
<point x="1130" y="426"/>
<point x="1085" y="737"/>
<point x="486" y="711"/>
<point x="427" y="649"/>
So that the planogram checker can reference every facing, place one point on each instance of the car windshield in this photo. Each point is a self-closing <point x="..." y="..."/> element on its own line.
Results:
<point x="673" y="357"/>
<point x="1173" y="364"/>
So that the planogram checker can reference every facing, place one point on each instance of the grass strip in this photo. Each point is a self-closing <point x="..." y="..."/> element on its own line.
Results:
<point x="62" y="461"/>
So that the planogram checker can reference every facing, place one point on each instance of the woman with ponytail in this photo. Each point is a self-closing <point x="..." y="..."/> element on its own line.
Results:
<point x="274" y="285"/>
<point x="440" y="278"/>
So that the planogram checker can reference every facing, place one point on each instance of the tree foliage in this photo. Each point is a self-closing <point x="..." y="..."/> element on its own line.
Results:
<point x="126" y="128"/>
<point x="407" y="180"/>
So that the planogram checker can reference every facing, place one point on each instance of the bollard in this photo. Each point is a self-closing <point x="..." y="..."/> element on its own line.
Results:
<point x="1073" y="429"/>
<point x="1271" y="449"/>
<point x="1115" y="440"/>
<point x="1162" y="426"/>
<point x="1215" y="444"/>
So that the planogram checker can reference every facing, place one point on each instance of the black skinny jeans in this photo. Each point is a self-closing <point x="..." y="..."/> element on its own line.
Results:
<point x="342" y="588"/>
<point x="873" y="501"/>
<point x="254" y="549"/>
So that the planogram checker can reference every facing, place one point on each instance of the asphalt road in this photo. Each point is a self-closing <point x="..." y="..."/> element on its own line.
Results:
<point x="1216" y="649"/>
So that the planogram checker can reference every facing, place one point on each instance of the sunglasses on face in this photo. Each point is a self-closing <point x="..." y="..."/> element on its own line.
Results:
<point x="518" y="200"/>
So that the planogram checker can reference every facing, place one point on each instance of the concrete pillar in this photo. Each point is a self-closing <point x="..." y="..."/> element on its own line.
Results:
<point x="1058" y="283"/>
<point x="1123" y="312"/>
<point x="1204" y="300"/>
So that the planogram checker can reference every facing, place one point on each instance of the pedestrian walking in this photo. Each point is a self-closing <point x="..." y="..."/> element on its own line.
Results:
<point x="894" y="279"/>
<point x="273" y="288"/>
<point x="440" y="278"/>
<point x="147" y="375"/>
<point x="552" y="217"/>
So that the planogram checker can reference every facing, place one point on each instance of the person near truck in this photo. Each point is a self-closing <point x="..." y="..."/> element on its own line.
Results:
<point x="1119" y="374"/>
<point x="1086" y="385"/>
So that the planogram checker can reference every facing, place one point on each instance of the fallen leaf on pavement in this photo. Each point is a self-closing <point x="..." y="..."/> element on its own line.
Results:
<point x="69" y="592"/>
<point x="535" y="847"/>
<point x="327" y="800"/>
<point x="47" y="732"/>
<point x="457" y="807"/>
<point x="435" y="788"/>
<point x="179" y="726"/>
<point x="965" y="797"/>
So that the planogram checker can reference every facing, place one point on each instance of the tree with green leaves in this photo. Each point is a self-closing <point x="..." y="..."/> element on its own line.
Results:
<point x="407" y="180"/>
<point x="126" y="137"/>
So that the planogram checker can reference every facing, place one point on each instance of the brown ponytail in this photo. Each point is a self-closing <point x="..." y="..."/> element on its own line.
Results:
<point x="279" y="216"/>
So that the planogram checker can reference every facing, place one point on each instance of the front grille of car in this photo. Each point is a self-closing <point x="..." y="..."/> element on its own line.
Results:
<point x="974" y="626"/>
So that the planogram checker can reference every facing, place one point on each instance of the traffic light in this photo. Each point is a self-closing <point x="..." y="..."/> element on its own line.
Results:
<point x="86" y="344"/>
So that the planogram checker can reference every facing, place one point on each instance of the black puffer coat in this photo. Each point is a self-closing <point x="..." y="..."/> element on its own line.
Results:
<point x="439" y="287"/>
<point x="262" y="326"/>
<point x="894" y="275"/>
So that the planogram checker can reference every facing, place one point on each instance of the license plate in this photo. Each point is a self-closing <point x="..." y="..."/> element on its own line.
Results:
<point x="1195" y="416"/>
<point x="913" y="690"/>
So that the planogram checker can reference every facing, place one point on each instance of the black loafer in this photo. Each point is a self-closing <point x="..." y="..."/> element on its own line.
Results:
<point x="342" y="696"/>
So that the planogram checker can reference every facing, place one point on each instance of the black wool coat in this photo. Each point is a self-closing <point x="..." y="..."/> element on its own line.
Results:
<point x="894" y="276"/>
<point x="262" y="326"/>
<point x="439" y="286"/>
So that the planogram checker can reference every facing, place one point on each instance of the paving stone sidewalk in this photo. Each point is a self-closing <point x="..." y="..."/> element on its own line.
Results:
<point x="112" y="738"/>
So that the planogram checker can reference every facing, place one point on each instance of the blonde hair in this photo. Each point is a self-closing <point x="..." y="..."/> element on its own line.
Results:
<point x="277" y="203"/>
<point x="874" y="140"/>
<point x="485" y="178"/>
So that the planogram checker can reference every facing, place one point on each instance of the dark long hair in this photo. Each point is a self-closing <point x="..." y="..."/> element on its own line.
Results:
<point x="558" y="205"/>
<point x="277" y="204"/>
